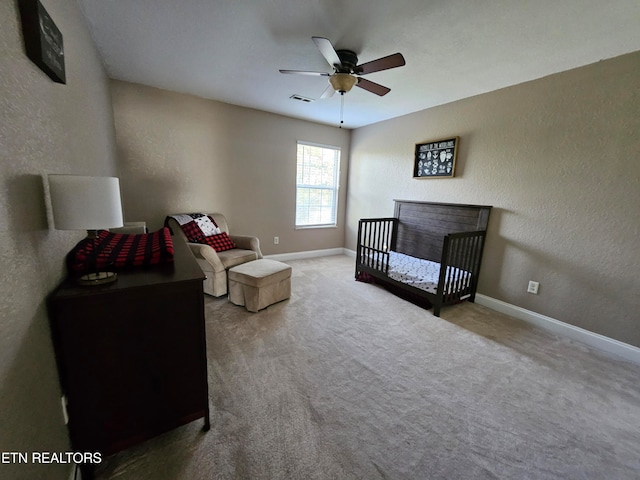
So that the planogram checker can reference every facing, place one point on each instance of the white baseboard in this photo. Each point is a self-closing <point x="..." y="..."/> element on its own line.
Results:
<point x="609" y="345"/>
<point x="307" y="254"/>
<point x="606" y="344"/>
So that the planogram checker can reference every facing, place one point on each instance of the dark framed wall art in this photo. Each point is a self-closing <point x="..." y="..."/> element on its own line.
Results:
<point x="42" y="39"/>
<point x="436" y="159"/>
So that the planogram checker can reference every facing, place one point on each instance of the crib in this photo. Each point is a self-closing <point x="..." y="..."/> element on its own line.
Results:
<point x="428" y="252"/>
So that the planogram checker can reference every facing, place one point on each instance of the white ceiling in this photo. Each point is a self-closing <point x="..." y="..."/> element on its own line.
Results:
<point x="231" y="50"/>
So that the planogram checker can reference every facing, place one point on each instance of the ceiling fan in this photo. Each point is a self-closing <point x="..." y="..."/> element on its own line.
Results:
<point x="346" y="71"/>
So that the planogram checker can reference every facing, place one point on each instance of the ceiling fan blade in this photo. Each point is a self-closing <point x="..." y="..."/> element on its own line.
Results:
<point x="373" y="87"/>
<point x="384" y="63"/>
<point x="302" y="72"/>
<point x="327" y="51"/>
<point x="328" y="92"/>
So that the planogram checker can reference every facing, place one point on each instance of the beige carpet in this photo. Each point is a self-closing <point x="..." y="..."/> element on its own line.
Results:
<point x="346" y="381"/>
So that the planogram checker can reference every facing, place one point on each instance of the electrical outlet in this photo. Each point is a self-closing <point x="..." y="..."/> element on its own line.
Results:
<point x="533" y="287"/>
<point x="276" y="240"/>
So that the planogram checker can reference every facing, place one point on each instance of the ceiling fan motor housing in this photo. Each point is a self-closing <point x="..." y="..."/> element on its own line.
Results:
<point x="349" y="61"/>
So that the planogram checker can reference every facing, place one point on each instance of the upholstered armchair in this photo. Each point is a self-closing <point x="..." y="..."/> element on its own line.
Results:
<point x="215" y="264"/>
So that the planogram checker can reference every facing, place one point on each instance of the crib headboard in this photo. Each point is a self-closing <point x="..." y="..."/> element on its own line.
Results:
<point x="422" y="225"/>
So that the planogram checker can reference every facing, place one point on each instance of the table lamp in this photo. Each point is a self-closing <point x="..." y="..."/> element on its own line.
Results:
<point x="86" y="203"/>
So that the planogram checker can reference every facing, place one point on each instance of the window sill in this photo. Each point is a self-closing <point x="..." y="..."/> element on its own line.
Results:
<point x="308" y="227"/>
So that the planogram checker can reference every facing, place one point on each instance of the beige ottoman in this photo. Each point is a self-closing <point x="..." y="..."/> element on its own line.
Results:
<point x="259" y="283"/>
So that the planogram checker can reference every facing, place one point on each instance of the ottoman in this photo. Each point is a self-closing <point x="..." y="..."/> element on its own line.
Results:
<point x="259" y="283"/>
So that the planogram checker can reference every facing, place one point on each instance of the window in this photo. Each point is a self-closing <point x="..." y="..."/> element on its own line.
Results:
<point x="317" y="185"/>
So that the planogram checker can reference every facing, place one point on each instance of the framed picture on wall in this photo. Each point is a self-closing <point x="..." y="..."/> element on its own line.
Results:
<point x="42" y="40"/>
<point x="436" y="158"/>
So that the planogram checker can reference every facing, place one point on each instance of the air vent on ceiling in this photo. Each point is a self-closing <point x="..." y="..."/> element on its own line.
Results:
<point x="295" y="96"/>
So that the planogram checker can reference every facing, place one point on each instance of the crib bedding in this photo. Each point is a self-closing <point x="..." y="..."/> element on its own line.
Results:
<point x="419" y="273"/>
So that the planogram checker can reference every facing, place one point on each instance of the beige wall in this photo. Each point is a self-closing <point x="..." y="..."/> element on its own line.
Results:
<point x="559" y="159"/>
<point x="180" y="153"/>
<point x="555" y="157"/>
<point x="45" y="128"/>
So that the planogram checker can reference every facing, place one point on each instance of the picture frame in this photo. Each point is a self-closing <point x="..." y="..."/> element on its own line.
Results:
<point x="436" y="158"/>
<point x="42" y="39"/>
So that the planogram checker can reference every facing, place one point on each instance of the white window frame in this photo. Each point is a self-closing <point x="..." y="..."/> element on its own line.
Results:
<point x="333" y="189"/>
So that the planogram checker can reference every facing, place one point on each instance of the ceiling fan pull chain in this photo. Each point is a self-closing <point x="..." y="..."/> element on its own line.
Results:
<point x="341" y="108"/>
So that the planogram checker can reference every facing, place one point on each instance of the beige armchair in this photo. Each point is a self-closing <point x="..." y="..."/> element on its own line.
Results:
<point x="215" y="264"/>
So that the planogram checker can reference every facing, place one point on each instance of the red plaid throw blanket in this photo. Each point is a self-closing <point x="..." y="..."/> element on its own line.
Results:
<point x="201" y="228"/>
<point x="119" y="251"/>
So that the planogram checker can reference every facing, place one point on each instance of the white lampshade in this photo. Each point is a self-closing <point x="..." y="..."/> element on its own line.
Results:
<point x="85" y="203"/>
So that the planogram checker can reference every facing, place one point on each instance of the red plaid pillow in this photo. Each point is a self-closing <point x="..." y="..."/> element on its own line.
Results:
<point x="192" y="231"/>
<point x="220" y="242"/>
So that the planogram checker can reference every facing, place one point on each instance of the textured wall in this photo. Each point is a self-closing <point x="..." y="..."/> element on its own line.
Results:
<point x="45" y="128"/>
<point x="180" y="153"/>
<point x="558" y="158"/>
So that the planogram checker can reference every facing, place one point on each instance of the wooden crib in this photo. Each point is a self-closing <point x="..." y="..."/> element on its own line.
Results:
<point x="427" y="251"/>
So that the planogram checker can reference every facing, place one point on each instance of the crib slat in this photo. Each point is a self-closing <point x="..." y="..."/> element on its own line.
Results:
<point x="456" y="273"/>
<point x="449" y="261"/>
<point x="476" y="265"/>
<point x="453" y="270"/>
<point x="384" y="244"/>
<point x="465" y="266"/>
<point x="458" y="262"/>
<point x="375" y="244"/>
<point x="370" y="257"/>
<point x="363" y="242"/>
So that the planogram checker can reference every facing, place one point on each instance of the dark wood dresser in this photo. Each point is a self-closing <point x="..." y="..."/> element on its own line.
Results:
<point x="131" y="355"/>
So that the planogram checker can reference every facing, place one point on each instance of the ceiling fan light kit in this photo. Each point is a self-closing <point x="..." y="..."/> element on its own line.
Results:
<point x="343" y="82"/>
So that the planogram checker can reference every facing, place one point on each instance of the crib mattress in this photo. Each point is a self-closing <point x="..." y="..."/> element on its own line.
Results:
<point x="421" y="274"/>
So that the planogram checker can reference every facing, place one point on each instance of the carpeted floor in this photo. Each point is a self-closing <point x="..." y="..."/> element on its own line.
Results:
<point x="346" y="381"/>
